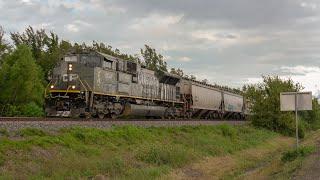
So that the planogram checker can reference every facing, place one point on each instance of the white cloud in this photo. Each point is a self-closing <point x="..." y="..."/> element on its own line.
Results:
<point x="72" y="28"/>
<point x="307" y="76"/>
<point x="27" y="2"/>
<point x="155" y="21"/>
<point x="184" y="59"/>
<point x="309" y="5"/>
<point x="46" y="26"/>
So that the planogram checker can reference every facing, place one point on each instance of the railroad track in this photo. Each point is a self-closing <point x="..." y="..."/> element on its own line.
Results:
<point x="58" y="123"/>
<point x="106" y="120"/>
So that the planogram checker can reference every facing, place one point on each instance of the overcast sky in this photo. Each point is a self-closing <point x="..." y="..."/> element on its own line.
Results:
<point x="229" y="42"/>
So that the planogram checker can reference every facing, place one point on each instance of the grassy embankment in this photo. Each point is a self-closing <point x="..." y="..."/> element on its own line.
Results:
<point x="122" y="152"/>
<point x="276" y="158"/>
<point x="286" y="165"/>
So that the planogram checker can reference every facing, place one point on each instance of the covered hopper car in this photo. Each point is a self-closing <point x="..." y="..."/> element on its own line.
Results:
<point x="99" y="85"/>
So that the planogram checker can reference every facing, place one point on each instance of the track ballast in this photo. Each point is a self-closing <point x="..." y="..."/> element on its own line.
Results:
<point x="58" y="123"/>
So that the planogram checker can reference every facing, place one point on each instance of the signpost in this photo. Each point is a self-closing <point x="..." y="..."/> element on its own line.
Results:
<point x="296" y="101"/>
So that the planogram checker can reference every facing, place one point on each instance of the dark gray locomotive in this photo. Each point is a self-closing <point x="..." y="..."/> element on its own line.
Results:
<point x="99" y="85"/>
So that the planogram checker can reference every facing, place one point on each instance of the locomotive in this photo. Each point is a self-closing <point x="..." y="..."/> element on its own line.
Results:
<point x="94" y="84"/>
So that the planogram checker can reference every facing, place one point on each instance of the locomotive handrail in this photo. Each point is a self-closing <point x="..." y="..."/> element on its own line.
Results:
<point x="83" y="85"/>
<point x="45" y="91"/>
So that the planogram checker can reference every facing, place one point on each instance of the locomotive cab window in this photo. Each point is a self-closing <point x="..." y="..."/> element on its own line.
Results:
<point x="70" y="59"/>
<point x="107" y="64"/>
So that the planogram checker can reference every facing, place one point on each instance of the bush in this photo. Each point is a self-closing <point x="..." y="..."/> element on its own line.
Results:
<point x="29" y="110"/>
<point x="302" y="151"/>
<point x="265" y="106"/>
<point x="32" y="110"/>
<point x="11" y="110"/>
<point x="32" y="132"/>
<point x="4" y="132"/>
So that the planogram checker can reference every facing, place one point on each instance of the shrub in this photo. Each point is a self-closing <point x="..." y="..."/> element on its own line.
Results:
<point x="32" y="110"/>
<point x="11" y="110"/>
<point x="265" y="107"/>
<point x="4" y="132"/>
<point x="300" y="152"/>
<point x="31" y="132"/>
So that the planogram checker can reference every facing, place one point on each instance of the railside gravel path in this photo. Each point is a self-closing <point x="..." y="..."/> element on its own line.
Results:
<point x="55" y="124"/>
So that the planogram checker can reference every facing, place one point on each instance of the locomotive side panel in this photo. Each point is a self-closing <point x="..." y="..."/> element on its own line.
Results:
<point x="206" y="98"/>
<point x="233" y="102"/>
<point x="105" y="81"/>
<point x="168" y="92"/>
<point x="149" y="83"/>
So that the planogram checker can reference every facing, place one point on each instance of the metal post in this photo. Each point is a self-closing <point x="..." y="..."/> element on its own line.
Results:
<point x="296" y="109"/>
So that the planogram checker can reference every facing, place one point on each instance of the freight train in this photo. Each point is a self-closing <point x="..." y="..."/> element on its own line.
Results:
<point x="95" y="84"/>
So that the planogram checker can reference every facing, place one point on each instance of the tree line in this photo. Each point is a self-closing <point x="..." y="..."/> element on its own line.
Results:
<point x="26" y="62"/>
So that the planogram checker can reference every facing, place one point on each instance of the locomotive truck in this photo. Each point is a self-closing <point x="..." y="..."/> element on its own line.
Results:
<point x="94" y="84"/>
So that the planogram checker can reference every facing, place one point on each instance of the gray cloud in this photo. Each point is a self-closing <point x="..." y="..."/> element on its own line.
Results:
<point x="225" y="41"/>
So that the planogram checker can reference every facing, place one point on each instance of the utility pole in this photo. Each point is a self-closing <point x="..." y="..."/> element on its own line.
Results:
<point x="297" y="125"/>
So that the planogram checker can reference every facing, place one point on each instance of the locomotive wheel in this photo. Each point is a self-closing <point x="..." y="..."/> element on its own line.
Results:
<point x="101" y="115"/>
<point x="113" y="116"/>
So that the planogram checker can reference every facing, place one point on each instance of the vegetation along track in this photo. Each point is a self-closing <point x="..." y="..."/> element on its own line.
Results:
<point x="57" y="123"/>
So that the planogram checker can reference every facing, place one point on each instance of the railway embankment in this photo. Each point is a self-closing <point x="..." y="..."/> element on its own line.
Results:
<point x="124" y="152"/>
<point x="276" y="158"/>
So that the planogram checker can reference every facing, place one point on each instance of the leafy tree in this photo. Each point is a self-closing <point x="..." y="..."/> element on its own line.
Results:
<point x="265" y="104"/>
<point x="44" y="47"/>
<point x="192" y="77"/>
<point x="178" y="72"/>
<point x="21" y="79"/>
<point x="4" y="45"/>
<point x="312" y="118"/>
<point x="205" y="81"/>
<point x="153" y="60"/>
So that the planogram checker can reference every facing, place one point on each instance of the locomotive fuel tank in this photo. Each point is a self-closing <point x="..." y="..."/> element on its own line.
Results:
<point x="144" y="110"/>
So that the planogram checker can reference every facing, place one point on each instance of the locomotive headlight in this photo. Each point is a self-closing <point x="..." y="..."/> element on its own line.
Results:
<point x="73" y="87"/>
<point x="52" y="86"/>
<point x="70" y="67"/>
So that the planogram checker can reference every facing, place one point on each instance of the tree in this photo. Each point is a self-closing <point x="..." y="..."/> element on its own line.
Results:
<point x="178" y="72"/>
<point x="153" y="60"/>
<point x="21" y="80"/>
<point x="205" y="81"/>
<point x="4" y="45"/>
<point x="264" y="101"/>
<point x="192" y="77"/>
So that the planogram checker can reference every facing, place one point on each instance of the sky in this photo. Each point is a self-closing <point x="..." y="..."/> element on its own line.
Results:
<point x="228" y="42"/>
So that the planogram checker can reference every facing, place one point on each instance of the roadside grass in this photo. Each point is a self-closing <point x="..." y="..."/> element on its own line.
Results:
<point x="121" y="152"/>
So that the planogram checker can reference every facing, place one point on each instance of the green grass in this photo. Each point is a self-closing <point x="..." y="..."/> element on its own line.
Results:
<point x="119" y="153"/>
<point x="302" y="151"/>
